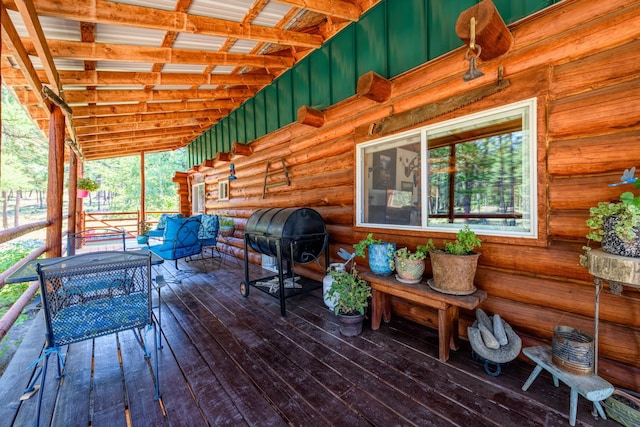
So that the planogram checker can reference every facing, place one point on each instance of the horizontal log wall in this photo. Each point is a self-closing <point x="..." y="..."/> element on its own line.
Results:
<point x="580" y="60"/>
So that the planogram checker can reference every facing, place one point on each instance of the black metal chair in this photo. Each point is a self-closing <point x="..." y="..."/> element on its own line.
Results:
<point x="93" y="235"/>
<point x="95" y="294"/>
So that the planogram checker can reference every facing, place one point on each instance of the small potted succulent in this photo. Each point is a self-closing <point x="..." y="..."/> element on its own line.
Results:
<point x="454" y="267"/>
<point x="86" y="185"/>
<point x="410" y="265"/>
<point x="381" y="254"/>
<point x="616" y="224"/>
<point x="351" y="294"/>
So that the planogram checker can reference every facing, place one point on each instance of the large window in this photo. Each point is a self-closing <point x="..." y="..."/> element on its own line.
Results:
<point x="477" y="170"/>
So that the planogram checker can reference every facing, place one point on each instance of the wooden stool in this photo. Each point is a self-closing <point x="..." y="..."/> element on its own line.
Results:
<point x="591" y="387"/>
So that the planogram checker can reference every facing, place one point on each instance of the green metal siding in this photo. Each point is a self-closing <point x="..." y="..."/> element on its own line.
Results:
<point x="391" y="38"/>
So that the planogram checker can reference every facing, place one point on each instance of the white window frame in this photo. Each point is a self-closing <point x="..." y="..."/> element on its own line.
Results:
<point x="197" y="198"/>
<point x="529" y="124"/>
<point x="223" y="190"/>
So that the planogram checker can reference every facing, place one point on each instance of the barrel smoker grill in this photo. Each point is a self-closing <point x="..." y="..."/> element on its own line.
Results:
<point x="292" y="235"/>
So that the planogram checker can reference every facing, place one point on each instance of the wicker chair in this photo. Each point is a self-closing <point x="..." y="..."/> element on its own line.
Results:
<point x="95" y="294"/>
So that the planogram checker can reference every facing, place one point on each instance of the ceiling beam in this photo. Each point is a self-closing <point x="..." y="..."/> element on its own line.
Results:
<point x="131" y="53"/>
<point x="107" y="12"/>
<point x="337" y="8"/>
<point x="134" y="127"/>
<point x="119" y="96"/>
<point x="14" y="77"/>
<point x="12" y="41"/>
<point x="141" y="118"/>
<point x="155" y="107"/>
<point x="32" y="23"/>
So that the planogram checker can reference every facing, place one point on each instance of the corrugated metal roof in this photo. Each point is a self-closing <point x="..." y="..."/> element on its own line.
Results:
<point x="141" y="57"/>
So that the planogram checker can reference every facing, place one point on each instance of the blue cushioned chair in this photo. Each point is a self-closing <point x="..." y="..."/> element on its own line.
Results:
<point x="180" y="239"/>
<point x="158" y="232"/>
<point x="208" y="233"/>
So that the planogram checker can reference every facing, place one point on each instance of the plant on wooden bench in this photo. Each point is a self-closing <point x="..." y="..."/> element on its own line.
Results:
<point x="380" y="254"/>
<point x="454" y="267"/>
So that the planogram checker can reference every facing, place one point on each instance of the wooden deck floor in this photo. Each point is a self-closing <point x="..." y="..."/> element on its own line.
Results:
<point x="230" y="360"/>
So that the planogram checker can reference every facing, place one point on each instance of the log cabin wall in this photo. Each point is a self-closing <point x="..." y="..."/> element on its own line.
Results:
<point x="581" y="60"/>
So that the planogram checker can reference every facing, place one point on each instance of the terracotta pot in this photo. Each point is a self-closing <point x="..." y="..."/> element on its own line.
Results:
<point x="453" y="274"/>
<point x="350" y="325"/>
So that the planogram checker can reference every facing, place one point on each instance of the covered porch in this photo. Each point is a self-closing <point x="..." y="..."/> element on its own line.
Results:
<point x="230" y="360"/>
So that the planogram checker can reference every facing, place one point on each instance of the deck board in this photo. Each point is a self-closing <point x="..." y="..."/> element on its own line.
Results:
<point x="230" y="360"/>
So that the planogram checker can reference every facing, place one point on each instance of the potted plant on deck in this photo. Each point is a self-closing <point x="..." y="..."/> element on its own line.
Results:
<point x="381" y="254"/>
<point x="617" y="224"/>
<point x="86" y="185"/>
<point x="143" y="230"/>
<point x="351" y="294"/>
<point x="410" y="265"/>
<point x="227" y="227"/>
<point x="454" y="267"/>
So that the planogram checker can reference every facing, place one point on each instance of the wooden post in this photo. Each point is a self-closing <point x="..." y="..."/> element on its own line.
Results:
<point x="223" y="157"/>
<point x="238" y="149"/>
<point x="55" y="184"/>
<point x="310" y="116"/>
<point x="143" y="189"/>
<point x="374" y="87"/>
<point x="491" y="33"/>
<point x="73" y="198"/>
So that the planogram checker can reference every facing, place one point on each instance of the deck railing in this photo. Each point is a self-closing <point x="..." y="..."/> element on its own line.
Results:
<point x="127" y="221"/>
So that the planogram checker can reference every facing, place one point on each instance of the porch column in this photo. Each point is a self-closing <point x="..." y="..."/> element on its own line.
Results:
<point x="55" y="183"/>
<point x="143" y="190"/>
<point x="73" y="184"/>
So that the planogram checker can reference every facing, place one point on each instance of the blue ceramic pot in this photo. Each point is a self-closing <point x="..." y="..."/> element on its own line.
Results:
<point x="381" y="258"/>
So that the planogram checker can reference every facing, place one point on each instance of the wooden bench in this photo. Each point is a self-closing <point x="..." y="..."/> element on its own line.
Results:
<point x="591" y="387"/>
<point x="383" y="287"/>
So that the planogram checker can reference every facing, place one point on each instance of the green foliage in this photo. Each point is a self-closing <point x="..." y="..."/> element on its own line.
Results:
<point x="363" y="244"/>
<point x="405" y="253"/>
<point x="87" y="184"/>
<point x="466" y="241"/>
<point x="226" y="222"/>
<point x="627" y="210"/>
<point x="11" y="253"/>
<point x="350" y="291"/>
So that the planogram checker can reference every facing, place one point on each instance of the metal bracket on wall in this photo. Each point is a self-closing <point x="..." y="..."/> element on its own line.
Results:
<point x="268" y="173"/>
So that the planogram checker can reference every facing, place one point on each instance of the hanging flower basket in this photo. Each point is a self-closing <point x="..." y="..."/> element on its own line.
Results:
<point x="81" y="194"/>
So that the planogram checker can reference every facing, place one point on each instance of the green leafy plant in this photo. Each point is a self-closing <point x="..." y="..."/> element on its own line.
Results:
<point x="405" y="253"/>
<point x="466" y="241"/>
<point x="87" y="184"/>
<point x="626" y="211"/>
<point x="226" y="222"/>
<point x="350" y="291"/>
<point x="143" y="227"/>
<point x="363" y="244"/>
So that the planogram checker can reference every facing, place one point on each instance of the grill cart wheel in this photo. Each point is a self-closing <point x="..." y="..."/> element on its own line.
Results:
<point x="244" y="288"/>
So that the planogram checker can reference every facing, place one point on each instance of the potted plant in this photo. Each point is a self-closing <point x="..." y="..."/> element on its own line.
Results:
<point x="351" y="294"/>
<point x="410" y="265"/>
<point x="227" y="227"/>
<point x="454" y="267"/>
<point x="381" y="254"/>
<point x="617" y="224"/>
<point x="143" y="230"/>
<point x="85" y="185"/>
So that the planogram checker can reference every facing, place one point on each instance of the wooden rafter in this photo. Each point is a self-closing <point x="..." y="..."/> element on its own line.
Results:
<point x="106" y="12"/>
<point x="133" y="90"/>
